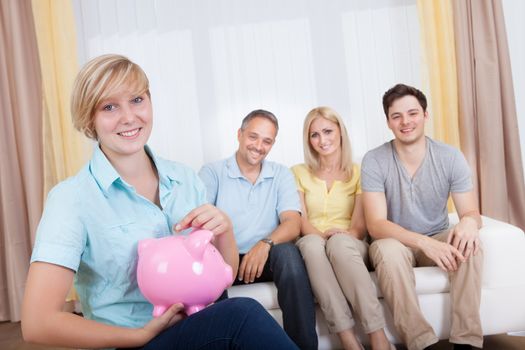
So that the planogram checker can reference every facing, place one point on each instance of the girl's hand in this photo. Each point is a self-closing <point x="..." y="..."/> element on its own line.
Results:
<point x="206" y="217"/>
<point x="172" y="315"/>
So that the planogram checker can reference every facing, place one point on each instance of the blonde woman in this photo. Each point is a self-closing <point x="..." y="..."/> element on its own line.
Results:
<point x="92" y="222"/>
<point x="333" y="231"/>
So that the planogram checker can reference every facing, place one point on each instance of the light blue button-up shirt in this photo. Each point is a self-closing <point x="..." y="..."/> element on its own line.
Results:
<point x="92" y="223"/>
<point x="253" y="208"/>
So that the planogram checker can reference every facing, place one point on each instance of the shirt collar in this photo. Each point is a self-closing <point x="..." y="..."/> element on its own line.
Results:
<point x="105" y="174"/>
<point x="102" y="170"/>
<point x="167" y="174"/>
<point x="267" y="170"/>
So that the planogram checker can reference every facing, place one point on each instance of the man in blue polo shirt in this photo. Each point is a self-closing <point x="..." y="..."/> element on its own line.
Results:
<point x="262" y="201"/>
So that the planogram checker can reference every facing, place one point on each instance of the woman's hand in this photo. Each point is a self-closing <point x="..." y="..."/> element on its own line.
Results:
<point x="207" y="217"/>
<point x="351" y="232"/>
<point x="172" y="315"/>
<point x="334" y="230"/>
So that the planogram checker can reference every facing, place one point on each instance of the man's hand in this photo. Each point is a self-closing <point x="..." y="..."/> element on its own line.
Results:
<point x="443" y="254"/>
<point x="252" y="264"/>
<point x="172" y="315"/>
<point x="207" y="217"/>
<point x="465" y="237"/>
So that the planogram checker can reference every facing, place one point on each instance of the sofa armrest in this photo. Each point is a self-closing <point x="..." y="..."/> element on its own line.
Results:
<point x="504" y="250"/>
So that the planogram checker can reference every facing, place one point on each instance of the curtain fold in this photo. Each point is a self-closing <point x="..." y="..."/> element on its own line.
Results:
<point x="21" y="173"/>
<point x="65" y="149"/>
<point x="487" y="110"/>
<point x="437" y="41"/>
<point x="437" y="36"/>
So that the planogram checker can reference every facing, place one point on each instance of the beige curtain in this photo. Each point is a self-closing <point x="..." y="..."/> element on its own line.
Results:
<point x="21" y="174"/>
<point x="65" y="149"/>
<point x="437" y="40"/>
<point x="437" y="36"/>
<point x="487" y="118"/>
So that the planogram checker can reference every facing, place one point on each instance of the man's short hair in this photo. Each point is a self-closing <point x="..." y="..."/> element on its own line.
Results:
<point x="402" y="90"/>
<point x="262" y="114"/>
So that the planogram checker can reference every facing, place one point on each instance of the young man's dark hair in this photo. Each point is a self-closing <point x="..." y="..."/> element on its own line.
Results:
<point x="401" y="90"/>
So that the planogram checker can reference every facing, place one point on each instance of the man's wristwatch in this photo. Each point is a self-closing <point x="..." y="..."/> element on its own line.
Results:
<point x="267" y="241"/>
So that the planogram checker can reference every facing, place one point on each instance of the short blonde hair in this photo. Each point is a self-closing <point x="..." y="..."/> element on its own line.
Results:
<point x="96" y="81"/>
<point x="311" y="157"/>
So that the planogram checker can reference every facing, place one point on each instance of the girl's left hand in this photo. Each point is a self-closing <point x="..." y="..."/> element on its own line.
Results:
<point x="173" y="315"/>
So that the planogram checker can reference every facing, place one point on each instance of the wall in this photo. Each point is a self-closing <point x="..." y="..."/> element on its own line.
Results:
<point x="211" y="63"/>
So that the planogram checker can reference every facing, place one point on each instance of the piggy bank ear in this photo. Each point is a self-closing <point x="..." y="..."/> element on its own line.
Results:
<point x="197" y="241"/>
<point x="143" y="245"/>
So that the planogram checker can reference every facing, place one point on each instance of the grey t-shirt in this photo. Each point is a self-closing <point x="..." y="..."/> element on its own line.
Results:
<point x="419" y="203"/>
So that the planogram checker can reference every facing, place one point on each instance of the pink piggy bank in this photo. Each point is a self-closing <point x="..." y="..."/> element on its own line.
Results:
<point x="181" y="269"/>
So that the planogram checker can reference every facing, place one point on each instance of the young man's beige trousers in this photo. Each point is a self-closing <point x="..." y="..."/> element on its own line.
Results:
<point x="394" y="264"/>
<point x="338" y="273"/>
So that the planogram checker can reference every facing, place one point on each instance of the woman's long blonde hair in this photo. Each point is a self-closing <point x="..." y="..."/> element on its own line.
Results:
<point x="311" y="157"/>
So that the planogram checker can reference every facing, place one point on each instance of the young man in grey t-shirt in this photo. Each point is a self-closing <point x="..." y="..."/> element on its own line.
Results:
<point x="406" y="183"/>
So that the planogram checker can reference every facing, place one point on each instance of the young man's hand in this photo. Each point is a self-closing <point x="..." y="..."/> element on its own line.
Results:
<point x="465" y="237"/>
<point x="443" y="254"/>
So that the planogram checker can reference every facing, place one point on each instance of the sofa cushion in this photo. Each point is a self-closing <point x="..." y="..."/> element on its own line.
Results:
<point x="429" y="280"/>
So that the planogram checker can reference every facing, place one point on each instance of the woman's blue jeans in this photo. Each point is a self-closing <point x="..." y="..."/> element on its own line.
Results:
<point x="237" y="323"/>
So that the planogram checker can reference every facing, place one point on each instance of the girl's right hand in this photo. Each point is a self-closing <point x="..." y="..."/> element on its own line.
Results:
<point x="206" y="217"/>
<point x="172" y="315"/>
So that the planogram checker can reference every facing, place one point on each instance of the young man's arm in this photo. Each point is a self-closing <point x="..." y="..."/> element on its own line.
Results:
<point x="465" y="235"/>
<point x="379" y="227"/>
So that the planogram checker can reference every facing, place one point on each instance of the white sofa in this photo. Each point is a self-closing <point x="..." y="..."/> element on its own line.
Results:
<point x="502" y="299"/>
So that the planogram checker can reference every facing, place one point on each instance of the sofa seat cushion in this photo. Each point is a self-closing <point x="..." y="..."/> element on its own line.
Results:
<point x="429" y="280"/>
<point x="264" y="292"/>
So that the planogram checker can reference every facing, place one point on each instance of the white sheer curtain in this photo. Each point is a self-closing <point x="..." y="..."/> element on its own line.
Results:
<point x="212" y="62"/>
